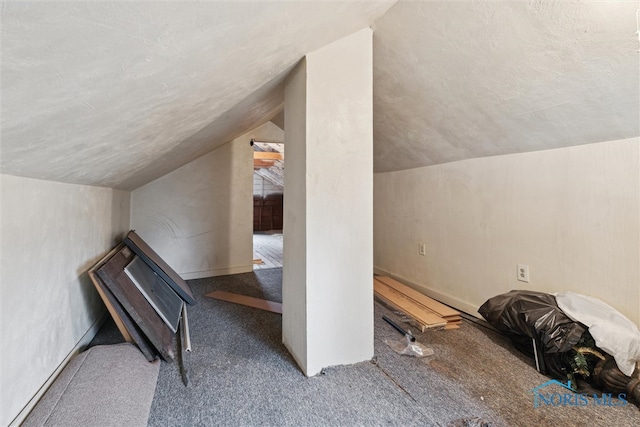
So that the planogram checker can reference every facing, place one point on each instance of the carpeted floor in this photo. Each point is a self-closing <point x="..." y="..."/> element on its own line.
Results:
<point x="241" y="375"/>
<point x="97" y="387"/>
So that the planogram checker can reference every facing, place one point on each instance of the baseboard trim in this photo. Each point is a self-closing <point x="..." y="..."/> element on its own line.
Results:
<point x="217" y="272"/>
<point x="80" y="345"/>
<point x="450" y="300"/>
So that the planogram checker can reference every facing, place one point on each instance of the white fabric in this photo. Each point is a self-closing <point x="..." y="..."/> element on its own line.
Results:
<point x="612" y="331"/>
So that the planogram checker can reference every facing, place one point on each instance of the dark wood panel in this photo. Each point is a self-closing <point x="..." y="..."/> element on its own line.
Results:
<point x="257" y="212"/>
<point x="113" y="275"/>
<point x="122" y="319"/>
<point x="158" y="265"/>
<point x="157" y="291"/>
<point x="266" y="216"/>
<point x="268" y="212"/>
<point x="109" y="302"/>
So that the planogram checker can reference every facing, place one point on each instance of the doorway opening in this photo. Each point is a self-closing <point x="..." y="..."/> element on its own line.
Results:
<point x="268" y="196"/>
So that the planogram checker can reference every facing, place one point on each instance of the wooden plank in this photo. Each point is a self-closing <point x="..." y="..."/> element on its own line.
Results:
<point x="413" y="322"/>
<point x="262" y="163"/>
<point x="110" y="302"/>
<point x="424" y="307"/>
<point x="106" y="299"/>
<point x="415" y="318"/>
<point x="274" y="307"/>
<point x="406" y="305"/>
<point x="449" y="319"/>
<point x="158" y="265"/>
<point x="267" y="155"/>
<point x="400" y="294"/>
<point x="113" y="275"/>
<point x="416" y="324"/>
<point x="437" y="307"/>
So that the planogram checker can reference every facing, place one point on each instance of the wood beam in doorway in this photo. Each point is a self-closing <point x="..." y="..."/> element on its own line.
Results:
<point x="257" y="164"/>
<point x="267" y="155"/>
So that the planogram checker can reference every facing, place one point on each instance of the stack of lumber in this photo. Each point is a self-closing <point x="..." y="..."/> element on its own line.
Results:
<point x="426" y="312"/>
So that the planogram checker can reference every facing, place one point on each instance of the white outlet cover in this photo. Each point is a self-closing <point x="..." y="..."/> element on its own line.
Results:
<point x="422" y="249"/>
<point x="523" y="273"/>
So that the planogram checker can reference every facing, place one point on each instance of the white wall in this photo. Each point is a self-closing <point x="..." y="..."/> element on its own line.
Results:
<point x="294" y="266"/>
<point x="52" y="234"/>
<point x="199" y="218"/>
<point x="328" y="221"/>
<point x="264" y="188"/>
<point x="572" y="215"/>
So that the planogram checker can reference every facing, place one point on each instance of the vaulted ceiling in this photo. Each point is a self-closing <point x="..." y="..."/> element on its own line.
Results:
<point x="117" y="94"/>
<point x="459" y="80"/>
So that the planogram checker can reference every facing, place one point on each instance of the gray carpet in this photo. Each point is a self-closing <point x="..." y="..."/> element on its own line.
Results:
<point x="242" y="375"/>
<point x="103" y="386"/>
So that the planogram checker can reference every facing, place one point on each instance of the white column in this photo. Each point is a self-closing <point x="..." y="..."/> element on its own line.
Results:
<point x="328" y="219"/>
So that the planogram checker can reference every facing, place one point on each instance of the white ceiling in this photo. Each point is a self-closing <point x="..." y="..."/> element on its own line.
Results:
<point x="117" y="94"/>
<point x="459" y="80"/>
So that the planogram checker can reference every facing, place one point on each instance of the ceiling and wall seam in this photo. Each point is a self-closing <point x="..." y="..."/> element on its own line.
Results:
<point x="118" y="94"/>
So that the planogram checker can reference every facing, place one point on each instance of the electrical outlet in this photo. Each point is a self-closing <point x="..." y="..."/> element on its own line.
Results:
<point x="523" y="273"/>
<point x="422" y="249"/>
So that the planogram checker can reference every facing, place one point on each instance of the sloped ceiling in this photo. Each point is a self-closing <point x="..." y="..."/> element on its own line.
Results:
<point x="459" y="80"/>
<point x="117" y="94"/>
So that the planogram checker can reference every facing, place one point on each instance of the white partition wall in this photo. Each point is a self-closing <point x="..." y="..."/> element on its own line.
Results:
<point x="328" y="219"/>
<point x="199" y="217"/>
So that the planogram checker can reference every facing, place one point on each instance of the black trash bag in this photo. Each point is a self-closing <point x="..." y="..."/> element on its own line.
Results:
<point x="525" y="316"/>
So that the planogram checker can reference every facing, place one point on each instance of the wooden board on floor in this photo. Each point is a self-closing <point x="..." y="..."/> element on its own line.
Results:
<point x="407" y="306"/>
<point x="274" y="307"/>
<point x="413" y="322"/>
<point x="435" y="306"/>
<point x="113" y="275"/>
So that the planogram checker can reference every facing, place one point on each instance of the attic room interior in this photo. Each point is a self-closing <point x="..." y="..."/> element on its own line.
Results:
<point x="463" y="149"/>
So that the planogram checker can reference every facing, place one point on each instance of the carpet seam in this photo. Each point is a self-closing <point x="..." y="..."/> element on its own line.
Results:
<point x="65" y="390"/>
<point x="417" y="408"/>
<point x="394" y="381"/>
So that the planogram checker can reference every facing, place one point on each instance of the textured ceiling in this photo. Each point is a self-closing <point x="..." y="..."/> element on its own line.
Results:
<point x="117" y="94"/>
<point x="461" y="80"/>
